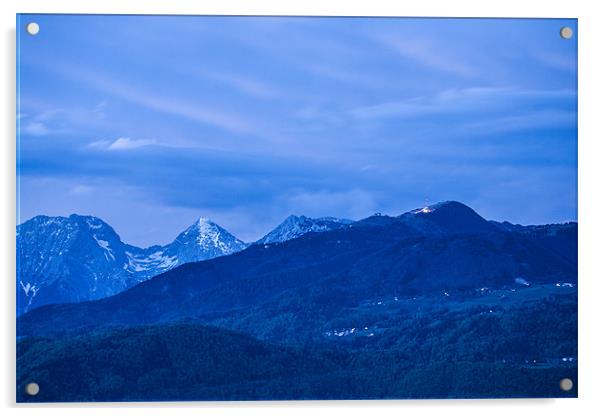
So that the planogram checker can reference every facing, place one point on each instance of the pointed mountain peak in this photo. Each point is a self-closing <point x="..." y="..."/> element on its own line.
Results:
<point x="295" y="226"/>
<point x="204" y="224"/>
<point x="200" y="226"/>
<point x="203" y="240"/>
<point x="295" y="218"/>
<point x="204" y="220"/>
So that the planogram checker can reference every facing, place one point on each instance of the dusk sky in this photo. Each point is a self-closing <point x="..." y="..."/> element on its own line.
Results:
<point x="150" y="122"/>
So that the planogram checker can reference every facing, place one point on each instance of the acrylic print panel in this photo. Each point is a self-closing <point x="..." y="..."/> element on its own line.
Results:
<point x="275" y="208"/>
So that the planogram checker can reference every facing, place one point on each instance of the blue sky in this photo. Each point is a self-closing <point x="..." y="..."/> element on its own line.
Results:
<point x="150" y="122"/>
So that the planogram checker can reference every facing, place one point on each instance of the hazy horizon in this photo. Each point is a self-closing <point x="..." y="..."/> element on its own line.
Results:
<point x="248" y="120"/>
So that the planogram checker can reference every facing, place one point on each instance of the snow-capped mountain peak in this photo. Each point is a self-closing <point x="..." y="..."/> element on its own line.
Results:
<point x="211" y="233"/>
<point x="204" y="222"/>
<point x="77" y="258"/>
<point x="295" y="226"/>
<point x="204" y="239"/>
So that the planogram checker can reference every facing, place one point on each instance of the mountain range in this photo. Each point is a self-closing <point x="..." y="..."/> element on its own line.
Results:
<point x="78" y="258"/>
<point x="436" y="302"/>
<point x="441" y="249"/>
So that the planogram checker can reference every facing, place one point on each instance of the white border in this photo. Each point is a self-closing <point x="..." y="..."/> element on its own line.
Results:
<point x="590" y="201"/>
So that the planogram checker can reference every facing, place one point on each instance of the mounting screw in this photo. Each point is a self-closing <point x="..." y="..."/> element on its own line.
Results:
<point x="566" y="384"/>
<point x="32" y="389"/>
<point x="566" y="32"/>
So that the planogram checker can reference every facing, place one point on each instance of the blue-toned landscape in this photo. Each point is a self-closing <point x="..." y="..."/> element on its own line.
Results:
<point x="221" y="208"/>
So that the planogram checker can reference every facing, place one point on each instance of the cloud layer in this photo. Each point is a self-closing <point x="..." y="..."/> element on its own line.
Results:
<point x="150" y="122"/>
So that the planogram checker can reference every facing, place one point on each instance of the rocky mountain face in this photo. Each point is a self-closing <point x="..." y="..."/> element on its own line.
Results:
<point x="78" y="258"/>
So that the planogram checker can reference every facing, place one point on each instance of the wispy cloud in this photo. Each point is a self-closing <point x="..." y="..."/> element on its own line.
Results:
<point x="171" y="105"/>
<point x="44" y="120"/>
<point x="522" y="122"/>
<point x="125" y="143"/>
<point x="463" y="100"/>
<point x="246" y="85"/>
<point x="122" y="143"/>
<point x="35" y="128"/>
<point x="427" y="53"/>
<point x="556" y="60"/>
<point x="196" y="110"/>
<point x="42" y="123"/>
<point x="81" y="189"/>
<point x="346" y="75"/>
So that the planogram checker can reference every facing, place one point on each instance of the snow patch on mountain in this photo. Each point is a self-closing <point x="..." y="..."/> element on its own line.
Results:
<point x="154" y="262"/>
<point x="28" y="287"/>
<point x="105" y="246"/>
<point x="30" y="292"/>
